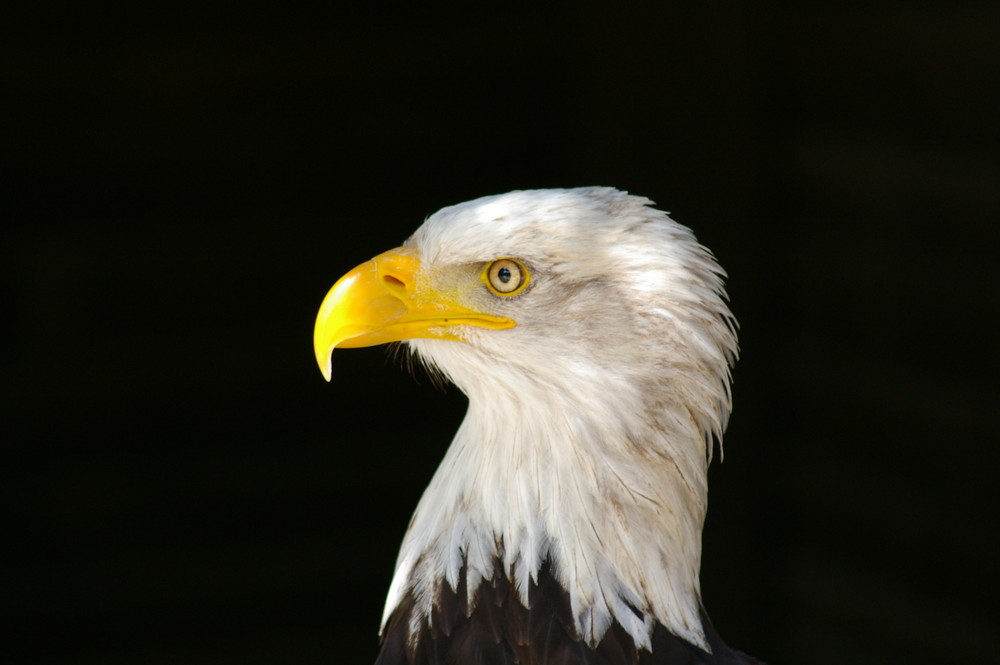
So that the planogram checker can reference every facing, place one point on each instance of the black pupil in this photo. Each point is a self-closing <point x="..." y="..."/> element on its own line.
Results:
<point x="503" y="275"/>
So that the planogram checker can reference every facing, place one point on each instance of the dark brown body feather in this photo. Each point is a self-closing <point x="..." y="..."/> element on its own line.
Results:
<point x="500" y="630"/>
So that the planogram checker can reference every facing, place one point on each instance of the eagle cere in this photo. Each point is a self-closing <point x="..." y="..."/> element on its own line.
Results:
<point x="592" y="337"/>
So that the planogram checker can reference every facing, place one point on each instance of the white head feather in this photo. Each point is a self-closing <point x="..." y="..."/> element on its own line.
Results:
<point x="591" y="423"/>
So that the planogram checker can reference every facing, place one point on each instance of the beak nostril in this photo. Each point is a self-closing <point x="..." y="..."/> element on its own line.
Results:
<point x="391" y="281"/>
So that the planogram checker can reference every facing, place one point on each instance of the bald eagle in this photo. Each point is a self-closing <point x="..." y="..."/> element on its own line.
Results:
<point x="592" y="336"/>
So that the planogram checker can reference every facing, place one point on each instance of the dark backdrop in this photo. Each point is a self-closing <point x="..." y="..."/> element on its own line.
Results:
<point x="181" y="188"/>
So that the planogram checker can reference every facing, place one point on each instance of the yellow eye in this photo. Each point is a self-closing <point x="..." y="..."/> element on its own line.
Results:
<point x="506" y="277"/>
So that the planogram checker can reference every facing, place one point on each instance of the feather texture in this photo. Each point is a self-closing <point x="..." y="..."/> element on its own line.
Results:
<point x="497" y="629"/>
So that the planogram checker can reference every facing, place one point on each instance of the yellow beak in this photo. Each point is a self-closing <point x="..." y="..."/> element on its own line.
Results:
<point x="388" y="299"/>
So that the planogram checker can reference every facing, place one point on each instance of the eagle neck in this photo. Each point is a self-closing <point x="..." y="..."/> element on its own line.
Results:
<point x="575" y="477"/>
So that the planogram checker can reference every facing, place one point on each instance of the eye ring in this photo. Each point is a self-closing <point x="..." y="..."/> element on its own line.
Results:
<point x="506" y="277"/>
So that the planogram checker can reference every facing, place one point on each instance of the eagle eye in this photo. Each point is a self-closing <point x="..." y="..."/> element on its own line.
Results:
<point x="505" y="277"/>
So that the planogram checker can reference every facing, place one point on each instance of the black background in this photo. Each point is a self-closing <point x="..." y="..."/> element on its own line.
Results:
<point x="181" y="189"/>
